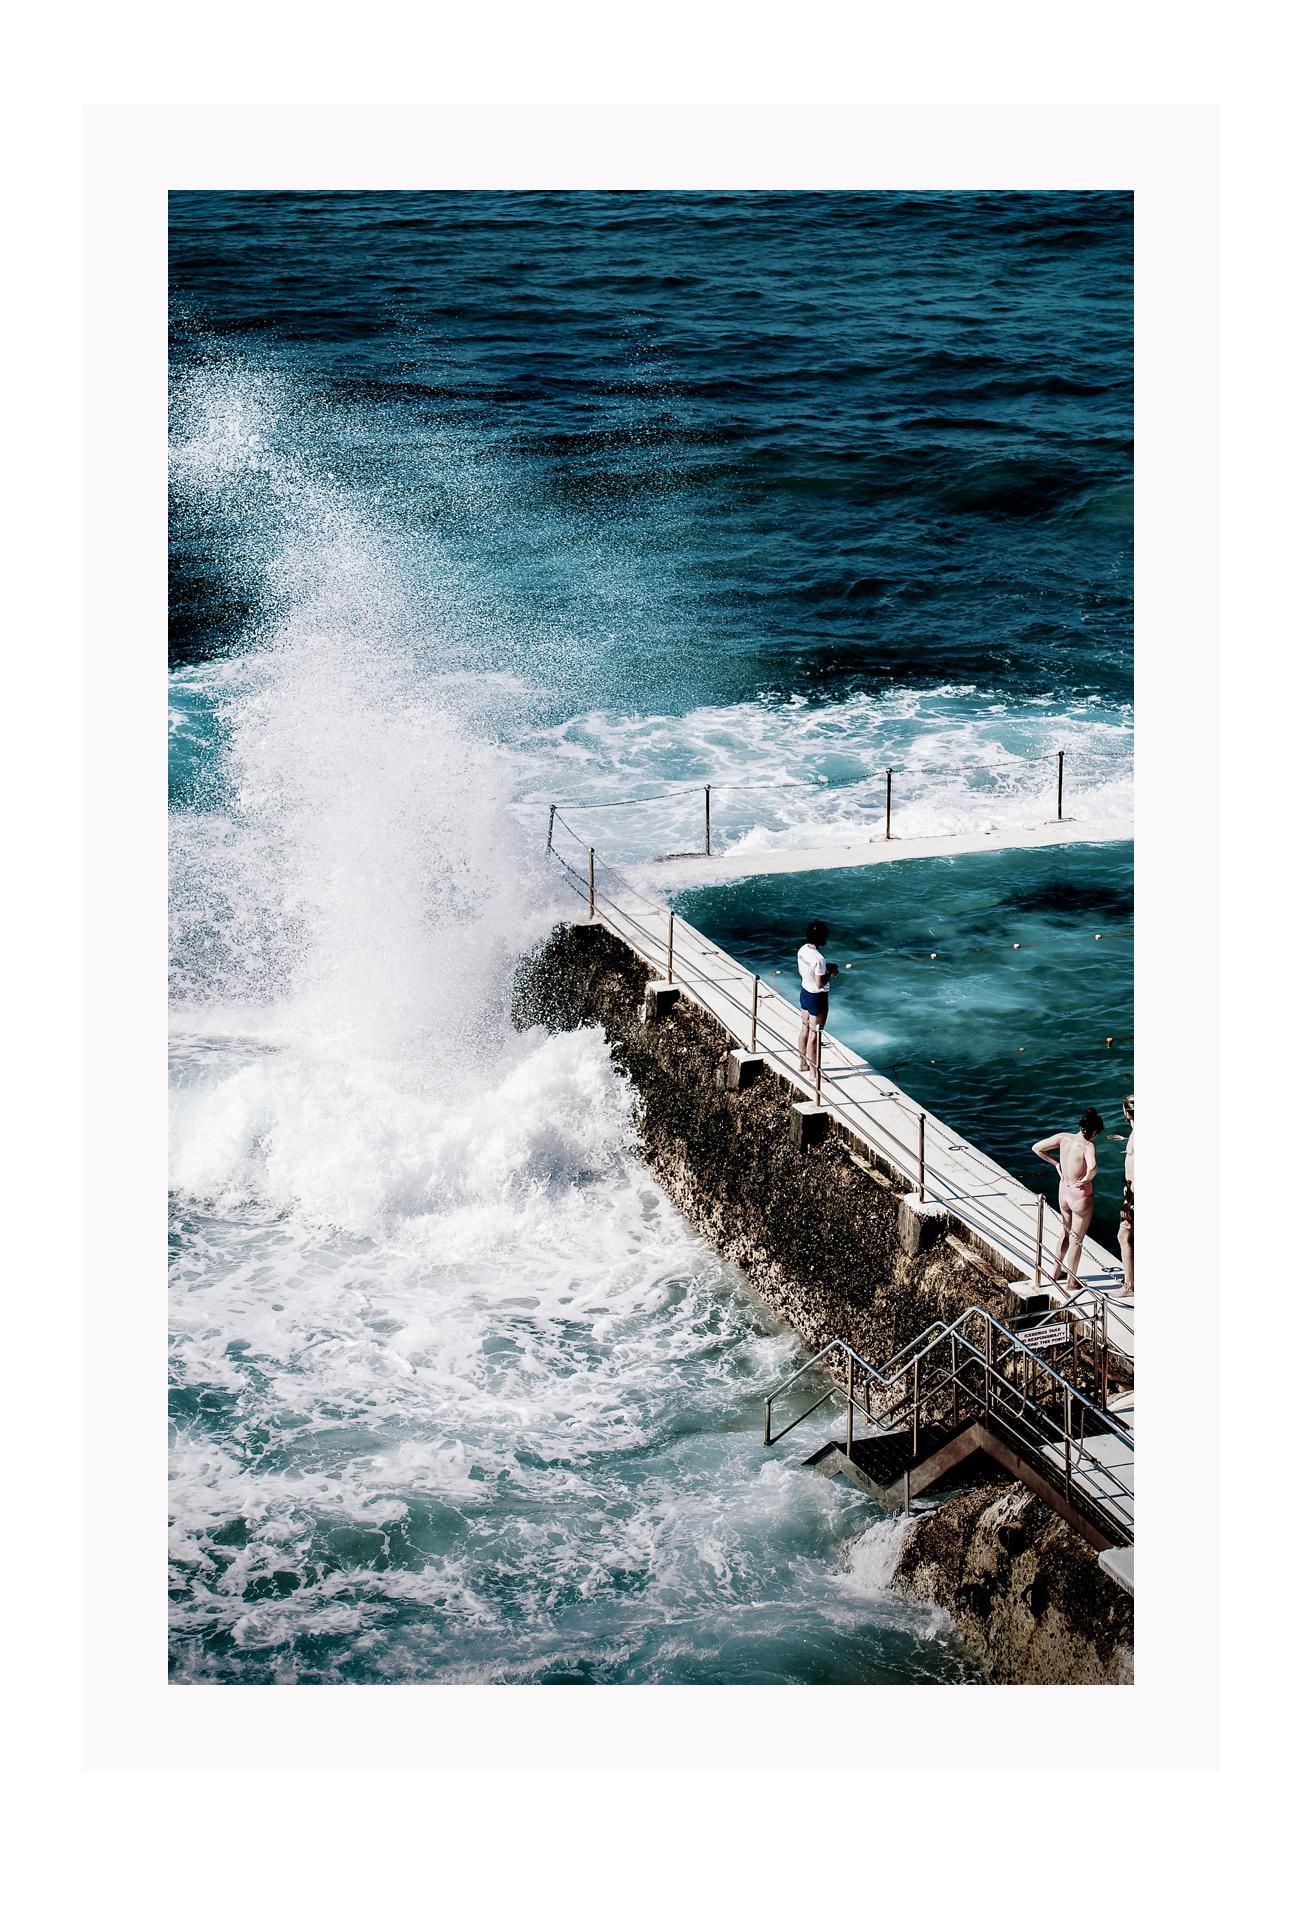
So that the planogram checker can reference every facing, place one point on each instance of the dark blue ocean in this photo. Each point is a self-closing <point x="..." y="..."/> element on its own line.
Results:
<point x="484" y="500"/>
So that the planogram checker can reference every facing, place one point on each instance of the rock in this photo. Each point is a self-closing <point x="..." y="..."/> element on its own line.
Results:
<point x="1030" y="1599"/>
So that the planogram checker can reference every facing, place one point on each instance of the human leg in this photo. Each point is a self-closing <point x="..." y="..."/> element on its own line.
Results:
<point x="1080" y="1222"/>
<point x="1126" y="1239"/>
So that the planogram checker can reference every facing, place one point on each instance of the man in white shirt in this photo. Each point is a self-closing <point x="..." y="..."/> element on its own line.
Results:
<point x="815" y="976"/>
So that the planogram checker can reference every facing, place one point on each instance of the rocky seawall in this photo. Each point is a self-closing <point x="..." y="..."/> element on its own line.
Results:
<point x="817" y="1234"/>
<point x="1027" y="1595"/>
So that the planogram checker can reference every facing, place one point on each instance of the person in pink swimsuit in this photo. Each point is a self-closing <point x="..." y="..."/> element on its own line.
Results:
<point x="1076" y="1161"/>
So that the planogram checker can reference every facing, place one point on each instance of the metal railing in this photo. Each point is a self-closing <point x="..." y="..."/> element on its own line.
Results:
<point x="980" y="1369"/>
<point x="1051" y="785"/>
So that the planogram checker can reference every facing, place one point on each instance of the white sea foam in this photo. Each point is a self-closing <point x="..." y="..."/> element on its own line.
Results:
<point x="458" y="1394"/>
<point x="963" y="759"/>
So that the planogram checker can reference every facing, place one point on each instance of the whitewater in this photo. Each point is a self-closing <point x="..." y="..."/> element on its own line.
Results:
<point x="456" y="1394"/>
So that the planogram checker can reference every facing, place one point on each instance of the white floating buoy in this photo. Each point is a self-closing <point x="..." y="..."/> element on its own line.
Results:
<point x="1096" y="936"/>
<point x="1016" y="945"/>
<point x="934" y="956"/>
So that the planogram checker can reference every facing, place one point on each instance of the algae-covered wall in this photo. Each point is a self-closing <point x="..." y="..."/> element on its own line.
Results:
<point x="816" y="1234"/>
<point x="1026" y="1592"/>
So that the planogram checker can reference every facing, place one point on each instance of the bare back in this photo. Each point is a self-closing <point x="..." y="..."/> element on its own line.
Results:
<point x="1078" y="1157"/>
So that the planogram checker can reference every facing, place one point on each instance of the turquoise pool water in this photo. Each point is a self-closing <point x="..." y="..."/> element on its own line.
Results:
<point x="987" y="985"/>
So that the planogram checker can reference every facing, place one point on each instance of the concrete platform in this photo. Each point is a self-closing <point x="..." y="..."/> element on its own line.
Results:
<point x="706" y="870"/>
<point x="1118" y="1564"/>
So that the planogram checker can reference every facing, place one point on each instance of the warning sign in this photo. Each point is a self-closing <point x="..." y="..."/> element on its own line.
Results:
<point x="1044" y="1334"/>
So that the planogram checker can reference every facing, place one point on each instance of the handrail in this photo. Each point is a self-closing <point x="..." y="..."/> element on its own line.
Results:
<point x="995" y="1395"/>
<point x="895" y="1370"/>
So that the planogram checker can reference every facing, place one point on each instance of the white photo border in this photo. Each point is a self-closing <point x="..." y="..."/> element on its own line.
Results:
<point x="1168" y="158"/>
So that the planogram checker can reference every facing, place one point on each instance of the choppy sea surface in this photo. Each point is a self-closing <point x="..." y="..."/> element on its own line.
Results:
<point x="480" y="501"/>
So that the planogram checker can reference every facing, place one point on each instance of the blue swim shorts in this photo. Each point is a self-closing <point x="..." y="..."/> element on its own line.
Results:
<point x="815" y="1003"/>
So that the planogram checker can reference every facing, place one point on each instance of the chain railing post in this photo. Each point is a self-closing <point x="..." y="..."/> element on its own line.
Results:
<point x="1068" y="1401"/>
<point x="708" y="828"/>
<point x="889" y="803"/>
<point x="767" y="1421"/>
<point x="920" y="1157"/>
<point x="817" y="1072"/>
<point x="1060" y="781"/>
<point x="671" y="918"/>
<point x="1038" y="1242"/>
<point x="988" y="1366"/>
<point x="848" y="1442"/>
<point x="916" y="1403"/>
<point x="591" y="883"/>
<point x="550" y="828"/>
<point x="753" y="1017"/>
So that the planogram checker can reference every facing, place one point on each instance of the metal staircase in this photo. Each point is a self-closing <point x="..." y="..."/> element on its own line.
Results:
<point x="1033" y="1395"/>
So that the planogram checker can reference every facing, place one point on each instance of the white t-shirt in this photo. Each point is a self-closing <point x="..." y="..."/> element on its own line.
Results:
<point x="812" y="969"/>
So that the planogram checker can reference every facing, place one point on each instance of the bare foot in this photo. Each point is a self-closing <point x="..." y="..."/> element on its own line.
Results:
<point x="1126" y="1290"/>
<point x="1075" y="1286"/>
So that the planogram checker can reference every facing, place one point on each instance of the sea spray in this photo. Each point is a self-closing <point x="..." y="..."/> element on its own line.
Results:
<point x="456" y="1393"/>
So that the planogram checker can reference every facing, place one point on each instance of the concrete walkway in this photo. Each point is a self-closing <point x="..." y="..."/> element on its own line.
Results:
<point x="680" y="871"/>
<point x="1111" y="1481"/>
<point x="958" y="1178"/>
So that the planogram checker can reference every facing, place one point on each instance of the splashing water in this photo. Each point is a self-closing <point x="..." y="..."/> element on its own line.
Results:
<point x="456" y="1394"/>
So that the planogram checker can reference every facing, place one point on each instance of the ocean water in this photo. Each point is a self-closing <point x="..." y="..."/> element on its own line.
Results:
<point x="481" y="501"/>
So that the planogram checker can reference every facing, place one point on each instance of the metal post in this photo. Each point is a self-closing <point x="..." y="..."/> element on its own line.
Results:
<point x="550" y="828"/>
<point x="1038" y="1242"/>
<point x="767" y="1421"/>
<point x="1105" y="1354"/>
<point x="1060" y="779"/>
<point x="916" y="1403"/>
<point x="920" y="1154"/>
<point x="1068" y="1401"/>
<point x="889" y="802"/>
<point x="907" y="1492"/>
<point x="753" y="1017"/>
<point x="670" y="947"/>
<point x="818" y="1071"/>
<point x="591" y="883"/>
<point x="708" y="830"/>
<point x="848" y="1446"/>
<point x="988" y="1365"/>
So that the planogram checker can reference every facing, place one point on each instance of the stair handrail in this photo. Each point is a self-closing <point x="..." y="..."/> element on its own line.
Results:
<point x="1037" y="1429"/>
<point x="1113" y="1423"/>
<point x="929" y="1339"/>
